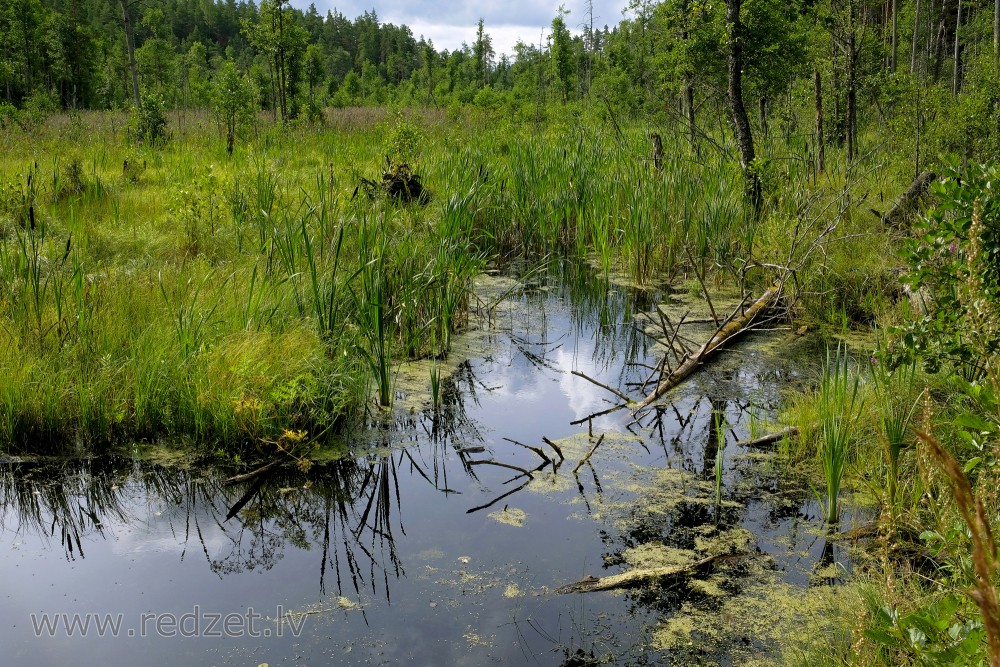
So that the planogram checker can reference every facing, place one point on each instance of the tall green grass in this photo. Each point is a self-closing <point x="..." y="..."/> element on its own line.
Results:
<point x="895" y="404"/>
<point x="719" y="423"/>
<point x="839" y="408"/>
<point x="189" y="293"/>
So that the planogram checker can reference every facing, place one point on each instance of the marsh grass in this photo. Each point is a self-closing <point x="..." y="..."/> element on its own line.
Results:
<point x="839" y="408"/>
<point x="122" y="294"/>
<point x="435" y="377"/>
<point x="895" y="403"/>
<point x="369" y="290"/>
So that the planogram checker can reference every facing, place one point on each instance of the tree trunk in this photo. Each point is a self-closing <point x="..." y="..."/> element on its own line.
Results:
<point x="762" y="103"/>
<point x="130" y="44"/>
<point x="938" y="49"/>
<point x="955" y="65"/>
<point x="274" y="92"/>
<point x="688" y="87"/>
<point x="852" y="88"/>
<point x="820" y="143"/>
<point x="26" y="25"/>
<point x="281" y="62"/>
<point x="996" y="32"/>
<point x="657" y="151"/>
<point x="930" y="41"/>
<point x="689" y="107"/>
<point x="838" y="111"/>
<point x="741" y="123"/>
<point x="916" y="32"/>
<point x="895" y="38"/>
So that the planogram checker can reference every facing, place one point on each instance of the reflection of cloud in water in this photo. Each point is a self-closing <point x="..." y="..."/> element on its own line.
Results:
<point x="584" y="397"/>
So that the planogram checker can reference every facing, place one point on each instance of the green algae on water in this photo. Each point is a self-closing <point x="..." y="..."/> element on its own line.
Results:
<point x="509" y="516"/>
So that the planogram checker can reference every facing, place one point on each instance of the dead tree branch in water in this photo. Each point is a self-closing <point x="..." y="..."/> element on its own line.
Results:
<point x="642" y="576"/>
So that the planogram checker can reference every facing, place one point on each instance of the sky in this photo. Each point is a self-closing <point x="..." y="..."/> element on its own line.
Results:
<point x="449" y="23"/>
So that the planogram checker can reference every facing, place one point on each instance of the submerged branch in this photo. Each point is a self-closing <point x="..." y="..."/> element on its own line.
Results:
<point x="642" y="576"/>
<point x="769" y="438"/>
<point x="236" y="479"/>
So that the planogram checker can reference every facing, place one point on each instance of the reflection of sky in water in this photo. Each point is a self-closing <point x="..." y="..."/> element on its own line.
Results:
<point x="421" y="605"/>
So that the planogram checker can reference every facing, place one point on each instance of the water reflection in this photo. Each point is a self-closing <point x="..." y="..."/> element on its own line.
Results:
<point x="391" y="524"/>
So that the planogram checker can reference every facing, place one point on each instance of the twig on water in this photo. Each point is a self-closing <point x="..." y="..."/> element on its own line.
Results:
<point x="500" y="465"/>
<point x="589" y="454"/>
<point x="614" y="391"/>
<point x="536" y="450"/>
<point x="555" y="447"/>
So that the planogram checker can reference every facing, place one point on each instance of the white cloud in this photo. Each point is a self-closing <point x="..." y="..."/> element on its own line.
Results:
<point x="449" y="24"/>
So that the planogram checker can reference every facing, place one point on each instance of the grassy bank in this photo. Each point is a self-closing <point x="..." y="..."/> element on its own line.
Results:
<point x="175" y="291"/>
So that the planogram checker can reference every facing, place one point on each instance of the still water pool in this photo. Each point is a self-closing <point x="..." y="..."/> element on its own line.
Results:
<point x="428" y="544"/>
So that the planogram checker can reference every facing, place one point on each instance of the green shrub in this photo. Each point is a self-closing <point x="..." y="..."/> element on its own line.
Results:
<point x="148" y="124"/>
<point x="953" y="263"/>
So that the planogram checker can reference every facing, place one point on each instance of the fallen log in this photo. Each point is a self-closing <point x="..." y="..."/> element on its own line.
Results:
<point x="769" y="438"/>
<point x="910" y="202"/>
<point x="642" y="576"/>
<point x="731" y="327"/>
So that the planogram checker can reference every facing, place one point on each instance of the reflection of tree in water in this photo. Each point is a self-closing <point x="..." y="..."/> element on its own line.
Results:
<point x="70" y="498"/>
<point x="346" y="507"/>
<point x="693" y="445"/>
<point x="603" y="313"/>
<point x="350" y="508"/>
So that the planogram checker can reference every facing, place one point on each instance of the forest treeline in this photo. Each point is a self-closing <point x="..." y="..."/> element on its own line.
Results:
<point x="930" y="62"/>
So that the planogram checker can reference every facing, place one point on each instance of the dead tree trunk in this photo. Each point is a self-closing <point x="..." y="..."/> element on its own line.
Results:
<point x="916" y="32"/>
<point x="657" y="151"/>
<point x="741" y="123"/>
<point x="689" y="107"/>
<point x="130" y="45"/>
<point x="911" y="201"/>
<point x="820" y="140"/>
<point x="643" y="576"/>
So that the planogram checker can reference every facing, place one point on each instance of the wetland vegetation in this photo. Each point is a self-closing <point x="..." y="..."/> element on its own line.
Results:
<point x="706" y="303"/>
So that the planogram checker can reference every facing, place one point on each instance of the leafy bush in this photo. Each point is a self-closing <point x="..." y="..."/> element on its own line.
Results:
<point x="8" y="115"/>
<point x="148" y="124"/>
<point x="953" y="263"/>
<point x="404" y="141"/>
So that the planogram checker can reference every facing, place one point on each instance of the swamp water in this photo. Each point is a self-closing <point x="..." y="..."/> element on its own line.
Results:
<point x="412" y="551"/>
